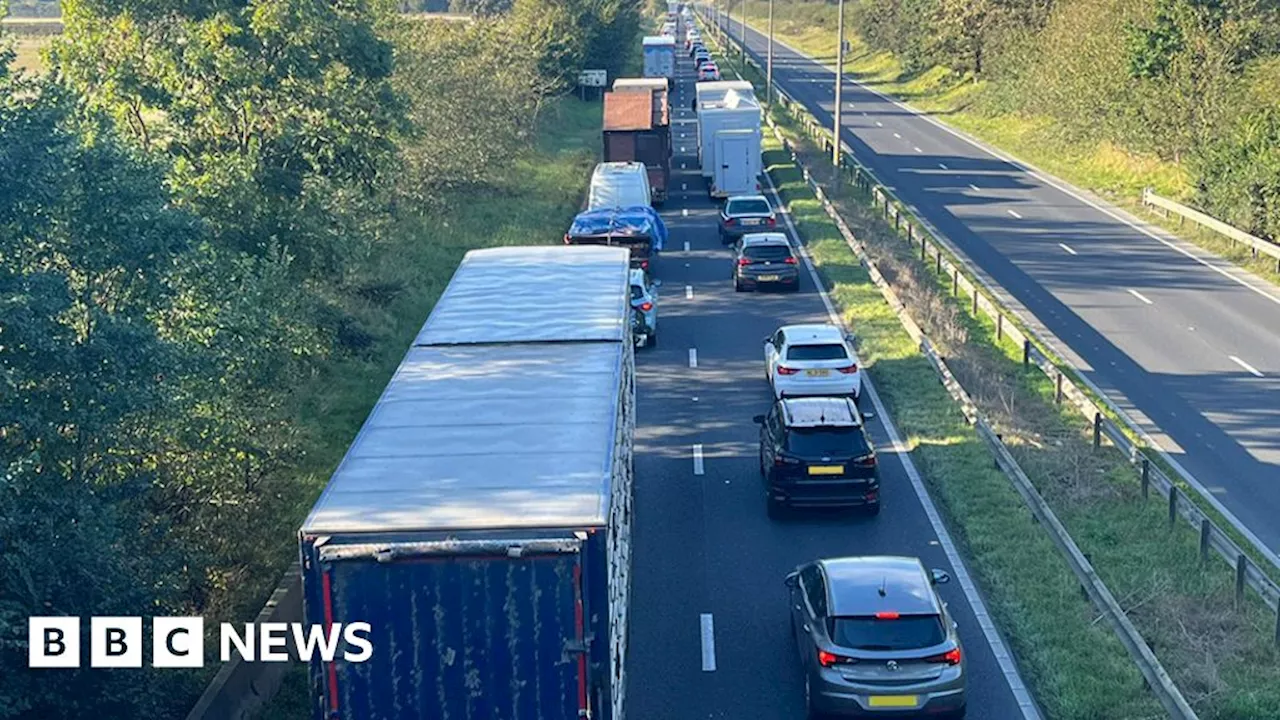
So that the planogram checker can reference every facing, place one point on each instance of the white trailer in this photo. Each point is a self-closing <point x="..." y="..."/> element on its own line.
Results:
<point x="738" y="163"/>
<point x="660" y="56"/>
<point x="736" y="111"/>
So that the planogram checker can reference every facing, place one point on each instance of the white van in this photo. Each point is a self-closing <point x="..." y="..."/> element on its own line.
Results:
<point x="619" y="184"/>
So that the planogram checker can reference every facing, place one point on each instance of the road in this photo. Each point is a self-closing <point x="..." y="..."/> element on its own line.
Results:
<point x="1187" y="344"/>
<point x="703" y="542"/>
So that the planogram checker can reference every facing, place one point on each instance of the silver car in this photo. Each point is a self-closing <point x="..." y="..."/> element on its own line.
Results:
<point x="875" y="639"/>
<point x="644" y="306"/>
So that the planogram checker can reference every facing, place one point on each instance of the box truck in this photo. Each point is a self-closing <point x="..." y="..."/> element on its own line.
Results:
<point x="480" y="522"/>
<point x="637" y="129"/>
<point x="714" y="91"/>
<point x="736" y="110"/>
<point x="738" y="163"/>
<point x="660" y="57"/>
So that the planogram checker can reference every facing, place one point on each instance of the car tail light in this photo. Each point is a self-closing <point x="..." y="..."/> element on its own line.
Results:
<point x="887" y="615"/>
<point x="786" y="370"/>
<point x="773" y="222"/>
<point x="644" y="264"/>
<point x="826" y="659"/>
<point x="780" y="460"/>
<point x="744" y="261"/>
<point x="730" y="221"/>
<point x="849" y="370"/>
<point x="791" y="261"/>
<point x="646" y="306"/>
<point x="867" y="461"/>
<point x="566" y="238"/>
<point x="951" y="657"/>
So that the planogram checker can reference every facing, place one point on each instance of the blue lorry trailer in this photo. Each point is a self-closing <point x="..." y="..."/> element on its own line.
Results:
<point x="480" y="521"/>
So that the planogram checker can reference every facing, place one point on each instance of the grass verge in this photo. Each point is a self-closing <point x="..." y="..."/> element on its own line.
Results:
<point x="1222" y="657"/>
<point x="1113" y="173"/>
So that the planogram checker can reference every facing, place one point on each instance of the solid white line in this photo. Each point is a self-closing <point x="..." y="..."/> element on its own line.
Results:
<point x="688" y="292"/>
<point x="1001" y="651"/>
<point x="708" y="643"/>
<point x="1011" y="212"/>
<point x="1066" y="247"/>
<point x="693" y="357"/>
<point x="943" y="166"/>
<point x="686" y="246"/>
<point x="697" y="459"/>
<point x="1140" y="296"/>
<point x="1245" y="365"/>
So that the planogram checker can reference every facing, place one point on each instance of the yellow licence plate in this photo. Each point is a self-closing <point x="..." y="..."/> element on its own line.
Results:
<point x="817" y="373"/>
<point x="892" y="701"/>
<point x="826" y="469"/>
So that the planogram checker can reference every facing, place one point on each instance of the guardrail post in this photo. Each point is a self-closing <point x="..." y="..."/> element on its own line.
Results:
<point x="1146" y="477"/>
<point x="999" y="326"/>
<point x="1173" y="505"/>
<point x="1057" y="390"/>
<point x="975" y="301"/>
<point x="1097" y="429"/>
<point x="924" y="248"/>
<point x="1242" y="563"/>
<point x="955" y="281"/>
<point x="1205" y="527"/>
<point x="1026" y="353"/>
<point x="897" y="218"/>
<point x="1278" y="623"/>
<point x="938" y="256"/>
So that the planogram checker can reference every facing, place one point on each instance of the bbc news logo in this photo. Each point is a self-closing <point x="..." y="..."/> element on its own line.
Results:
<point x="178" y="642"/>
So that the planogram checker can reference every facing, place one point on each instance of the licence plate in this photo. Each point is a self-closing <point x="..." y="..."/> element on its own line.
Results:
<point x="892" y="701"/>
<point x="768" y="278"/>
<point x="826" y="469"/>
<point x="823" y="372"/>
<point x="750" y="221"/>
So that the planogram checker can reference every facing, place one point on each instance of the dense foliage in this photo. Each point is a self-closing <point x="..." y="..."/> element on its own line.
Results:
<point x="190" y="205"/>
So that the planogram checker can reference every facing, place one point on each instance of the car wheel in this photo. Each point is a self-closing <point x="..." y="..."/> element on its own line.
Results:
<point x="737" y="286"/>
<point x="810" y="711"/>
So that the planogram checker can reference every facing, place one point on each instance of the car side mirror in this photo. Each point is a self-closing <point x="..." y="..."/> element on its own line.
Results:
<point x="758" y="419"/>
<point x="939" y="577"/>
<point x="768" y="341"/>
<point x="792" y="579"/>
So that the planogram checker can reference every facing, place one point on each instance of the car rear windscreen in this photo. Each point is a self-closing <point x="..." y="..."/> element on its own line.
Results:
<point x="907" y="632"/>
<point x="748" y="207"/>
<point x="817" y="352"/>
<point x="827" y="442"/>
<point x="637" y="292"/>
<point x="767" y="252"/>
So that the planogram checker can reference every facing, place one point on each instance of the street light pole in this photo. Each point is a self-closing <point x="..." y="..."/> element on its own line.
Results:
<point x="835" y="130"/>
<point x="768" y="73"/>
<point x="742" y="35"/>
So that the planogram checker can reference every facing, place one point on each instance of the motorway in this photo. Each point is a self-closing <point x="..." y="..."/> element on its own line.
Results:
<point x="1186" y="343"/>
<point x="709" y="618"/>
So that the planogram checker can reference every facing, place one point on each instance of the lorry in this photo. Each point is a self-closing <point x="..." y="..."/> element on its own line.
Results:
<point x="729" y="143"/>
<point x="480" y="522"/>
<point x="660" y="57"/>
<point x="639" y="229"/>
<point x="619" y="184"/>
<point x="637" y="127"/>
<point x="714" y="91"/>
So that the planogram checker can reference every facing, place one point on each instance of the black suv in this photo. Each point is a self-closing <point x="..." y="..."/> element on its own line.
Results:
<point x="814" y="452"/>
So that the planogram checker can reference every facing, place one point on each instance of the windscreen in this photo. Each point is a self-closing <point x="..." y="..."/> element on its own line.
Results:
<point x="907" y="632"/>
<point x="828" y="442"/>
<point x="767" y="252"/>
<point x="817" y="352"/>
<point x="749" y="207"/>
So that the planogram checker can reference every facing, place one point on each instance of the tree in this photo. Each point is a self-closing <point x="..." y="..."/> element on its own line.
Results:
<point x="481" y="8"/>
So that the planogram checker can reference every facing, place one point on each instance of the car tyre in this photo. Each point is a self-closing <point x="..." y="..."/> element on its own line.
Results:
<point x="737" y="286"/>
<point x="810" y="711"/>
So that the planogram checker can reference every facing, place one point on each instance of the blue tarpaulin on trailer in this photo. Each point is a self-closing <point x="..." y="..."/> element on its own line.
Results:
<point x="622" y="222"/>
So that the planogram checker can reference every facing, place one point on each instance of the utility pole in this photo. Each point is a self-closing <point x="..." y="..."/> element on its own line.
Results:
<point x="768" y="73"/>
<point x="835" y="130"/>
<point x="742" y="36"/>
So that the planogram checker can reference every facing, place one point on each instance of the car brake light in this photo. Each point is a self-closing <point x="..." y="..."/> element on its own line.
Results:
<point x="868" y="461"/>
<point x="772" y="222"/>
<point x="951" y="657"/>
<point x="849" y="370"/>
<point x="744" y="261"/>
<point x="566" y="238"/>
<point x="786" y="370"/>
<point x="791" y="261"/>
<point x="730" y="221"/>
<point x="644" y="264"/>
<point x="646" y="306"/>
<point x="826" y="659"/>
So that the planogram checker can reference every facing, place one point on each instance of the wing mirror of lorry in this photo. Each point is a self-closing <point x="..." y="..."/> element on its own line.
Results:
<point x="939" y="577"/>
<point x="792" y="579"/>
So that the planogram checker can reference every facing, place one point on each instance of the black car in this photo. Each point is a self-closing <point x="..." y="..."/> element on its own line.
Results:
<point x="745" y="214"/>
<point x="765" y="259"/>
<point x="814" y="452"/>
<point x="701" y="59"/>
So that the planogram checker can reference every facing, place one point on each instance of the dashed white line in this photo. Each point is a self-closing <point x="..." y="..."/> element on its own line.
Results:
<point x="693" y="357"/>
<point x="1245" y="365"/>
<point x="1140" y="296"/>
<point x="974" y="188"/>
<point x="1015" y="214"/>
<point x="697" y="459"/>
<point x="897" y="136"/>
<point x="684" y="186"/>
<point x="688" y="292"/>
<point x="1067" y="247"/>
<point x="686" y="246"/>
<point x="684" y="212"/>
<point x="708" y="643"/>
<point x="942" y="165"/>
<point x="879" y="124"/>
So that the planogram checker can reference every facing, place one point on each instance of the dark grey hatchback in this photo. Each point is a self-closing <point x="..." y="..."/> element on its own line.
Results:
<point x="765" y="259"/>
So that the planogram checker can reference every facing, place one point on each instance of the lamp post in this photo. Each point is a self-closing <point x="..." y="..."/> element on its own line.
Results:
<point x="742" y="35"/>
<point x="835" y="130"/>
<point x="768" y="73"/>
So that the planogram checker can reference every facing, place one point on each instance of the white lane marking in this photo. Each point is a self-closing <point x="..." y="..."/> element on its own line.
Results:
<point x="942" y="165"/>
<point x="684" y="212"/>
<point x="975" y="188"/>
<point x="897" y="136"/>
<point x="1002" y="654"/>
<point x="682" y="166"/>
<point x="688" y="292"/>
<point x="864" y="113"/>
<point x="1245" y="365"/>
<point x="918" y="150"/>
<point x="686" y="246"/>
<point x="1067" y="247"/>
<point x="693" y="357"/>
<point x="708" y="643"/>
<point x="697" y="459"/>
<point x="681" y="149"/>
<point x="684" y="186"/>
<point x="1140" y="296"/>
<point x="1015" y="214"/>
<point x="879" y="124"/>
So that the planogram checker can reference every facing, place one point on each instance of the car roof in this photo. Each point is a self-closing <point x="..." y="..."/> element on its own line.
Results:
<point x="855" y="585"/>
<point x="637" y="276"/>
<point x="765" y="239"/>
<point x="811" y="412"/>
<point x="815" y="333"/>
<point x="749" y="197"/>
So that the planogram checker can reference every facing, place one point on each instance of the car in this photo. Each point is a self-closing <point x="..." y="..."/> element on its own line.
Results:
<point x="708" y="72"/>
<point x="644" y="305"/>
<point x="816" y="359"/>
<point x="696" y="48"/>
<point x="814" y="452"/>
<point x="742" y="214"/>
<point x="765" y="258"/>
<point x="701" y="59"/>
<point x="875" y="638"/>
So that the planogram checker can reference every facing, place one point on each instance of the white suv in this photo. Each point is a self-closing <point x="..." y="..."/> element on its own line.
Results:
<point x="812" y="360"/>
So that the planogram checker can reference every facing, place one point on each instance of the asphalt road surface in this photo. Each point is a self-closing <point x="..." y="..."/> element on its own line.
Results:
<point x="1186" y="343"/>
<point x="709" y="619"/>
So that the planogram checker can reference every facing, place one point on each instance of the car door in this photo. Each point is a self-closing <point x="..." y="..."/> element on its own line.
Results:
<point x="770" y="437"/>
<point x="771" y="352"/>
<point x="811" y="609"/>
